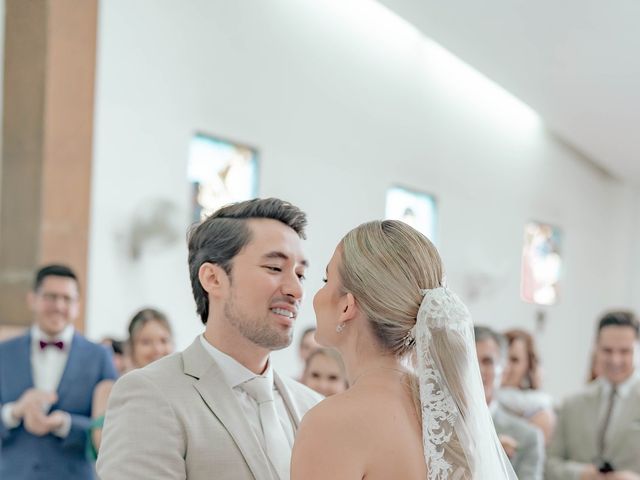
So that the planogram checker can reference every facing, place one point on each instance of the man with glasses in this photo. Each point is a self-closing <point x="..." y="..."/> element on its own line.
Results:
<point x="47" y="378"/>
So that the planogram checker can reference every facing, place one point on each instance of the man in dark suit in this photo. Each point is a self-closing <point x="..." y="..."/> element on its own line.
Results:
<point x="47" y="378"/>
<point x="522" y="442"/>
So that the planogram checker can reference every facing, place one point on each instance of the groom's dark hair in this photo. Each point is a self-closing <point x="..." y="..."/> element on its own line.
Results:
<point x="222" y="235"/>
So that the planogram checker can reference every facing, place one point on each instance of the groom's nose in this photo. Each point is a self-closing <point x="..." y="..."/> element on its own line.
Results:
<point x="292" y="287"/>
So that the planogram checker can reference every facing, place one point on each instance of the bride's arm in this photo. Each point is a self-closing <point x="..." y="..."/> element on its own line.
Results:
<point x="327" y="446"/>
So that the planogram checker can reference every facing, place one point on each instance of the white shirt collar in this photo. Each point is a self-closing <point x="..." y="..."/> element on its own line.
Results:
<point x="66" y="336"/>
<point x="623" y="389"/>
<point x="233" y="371"/>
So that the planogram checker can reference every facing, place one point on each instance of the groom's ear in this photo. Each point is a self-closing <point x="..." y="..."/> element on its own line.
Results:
<point x="348" y="308"/>
<point x="214" y="279"/>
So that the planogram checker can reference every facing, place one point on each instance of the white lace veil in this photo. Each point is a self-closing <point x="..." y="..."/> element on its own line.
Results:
<point x="459" y="438"/>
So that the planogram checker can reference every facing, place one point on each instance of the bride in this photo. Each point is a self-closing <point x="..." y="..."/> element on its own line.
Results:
<point x="416" y="407"/>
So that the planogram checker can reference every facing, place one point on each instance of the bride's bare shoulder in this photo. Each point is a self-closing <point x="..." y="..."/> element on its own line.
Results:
<point x="334" y="412"/>
<point x="328" y="430"/>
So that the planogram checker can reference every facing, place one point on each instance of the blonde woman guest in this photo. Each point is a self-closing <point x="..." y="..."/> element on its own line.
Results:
<point x="306" y="347"/>
<point x="521" y="391"/>
<point x="383" y="304"/>
<point x="308" y="344"/>
<point x="325" y="373"/>
<point x="150" y="338"/>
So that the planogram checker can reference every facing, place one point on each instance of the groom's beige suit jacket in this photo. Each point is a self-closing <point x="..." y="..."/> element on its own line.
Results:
<point x="178" y="419"/>
<point x="575" y="440"/>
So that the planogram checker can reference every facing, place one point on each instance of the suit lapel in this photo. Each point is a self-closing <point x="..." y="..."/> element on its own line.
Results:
<point x="628" y="411"/>
<point x="294" y="412"/>
<point x="22" y="373"/>
<point x="71" y="368"/>
<point x="592" y="404"/>
<point x="222" y="402"/>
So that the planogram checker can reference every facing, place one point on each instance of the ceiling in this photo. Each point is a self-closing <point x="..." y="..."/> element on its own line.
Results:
<point x="577" y="63"/>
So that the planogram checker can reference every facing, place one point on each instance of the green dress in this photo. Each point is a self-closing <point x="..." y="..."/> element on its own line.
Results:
<point x="90" y="449"/>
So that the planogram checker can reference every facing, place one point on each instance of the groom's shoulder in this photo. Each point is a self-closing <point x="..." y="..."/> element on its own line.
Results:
<point x="167" y="372"/>
<point x="165" y="366"/>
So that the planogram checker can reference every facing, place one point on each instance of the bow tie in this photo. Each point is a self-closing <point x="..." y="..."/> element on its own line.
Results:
<point x="58" y="344"/>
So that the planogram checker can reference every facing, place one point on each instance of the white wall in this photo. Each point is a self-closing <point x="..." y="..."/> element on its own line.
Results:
<point x="634" y="261"/>
<point x="2" y="35"/>
<point x="342" y="99"/>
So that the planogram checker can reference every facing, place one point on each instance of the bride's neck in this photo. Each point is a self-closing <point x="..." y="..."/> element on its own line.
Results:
<point x="366" y="361"/>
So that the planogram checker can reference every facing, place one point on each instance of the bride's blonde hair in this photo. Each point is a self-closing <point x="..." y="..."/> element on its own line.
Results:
<point x="385" y="265"/>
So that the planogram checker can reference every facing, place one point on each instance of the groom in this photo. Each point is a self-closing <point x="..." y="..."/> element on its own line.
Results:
<point x="218" y="410"/>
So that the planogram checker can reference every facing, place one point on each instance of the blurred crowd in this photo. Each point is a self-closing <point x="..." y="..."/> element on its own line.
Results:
<point x="55" y="386"/>
<point x="591" y="435"/>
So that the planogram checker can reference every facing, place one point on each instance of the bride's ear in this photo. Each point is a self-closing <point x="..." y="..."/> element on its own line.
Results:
<point x="348" y="308"/>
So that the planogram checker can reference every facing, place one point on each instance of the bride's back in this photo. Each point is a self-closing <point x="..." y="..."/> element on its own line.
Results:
<point x="391" y="426"/>
<point x="383" y="304"/>
<point x="370" y="432"/>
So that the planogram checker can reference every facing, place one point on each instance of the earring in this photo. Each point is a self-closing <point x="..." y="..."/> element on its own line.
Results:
<point x="340" y="327"/>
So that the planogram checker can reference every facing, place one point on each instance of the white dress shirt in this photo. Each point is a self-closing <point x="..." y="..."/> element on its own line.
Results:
<point x="47" y="367"/>
<point x="236" y="374"/>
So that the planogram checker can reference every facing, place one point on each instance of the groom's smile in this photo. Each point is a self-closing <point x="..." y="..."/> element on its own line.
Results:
<point x="265" y="284"/>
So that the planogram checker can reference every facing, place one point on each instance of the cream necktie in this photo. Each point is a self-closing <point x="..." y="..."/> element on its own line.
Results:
<point x="275" y="440"/>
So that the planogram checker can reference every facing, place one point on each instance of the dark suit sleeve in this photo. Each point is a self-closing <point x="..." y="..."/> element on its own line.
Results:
<point x="7" y="368"/>
<point x="4" y="432"/>
<point x="108" y="369"/>
<point x="77" y="437"/>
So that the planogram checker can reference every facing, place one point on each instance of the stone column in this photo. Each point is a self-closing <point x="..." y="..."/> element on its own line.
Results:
<point x="45" y="175"/>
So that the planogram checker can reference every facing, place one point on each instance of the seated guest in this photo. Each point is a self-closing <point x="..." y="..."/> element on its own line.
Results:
<point x="598" y="431"/>
<point x="522" y="442"/>
<point x="150" y="338"/>
<point x="47" y="379"/>
<point x="120" y="359"/>
<point x="521" y="392"/>
<point x="307" y="345"/>
<point x="325" y="372"/>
